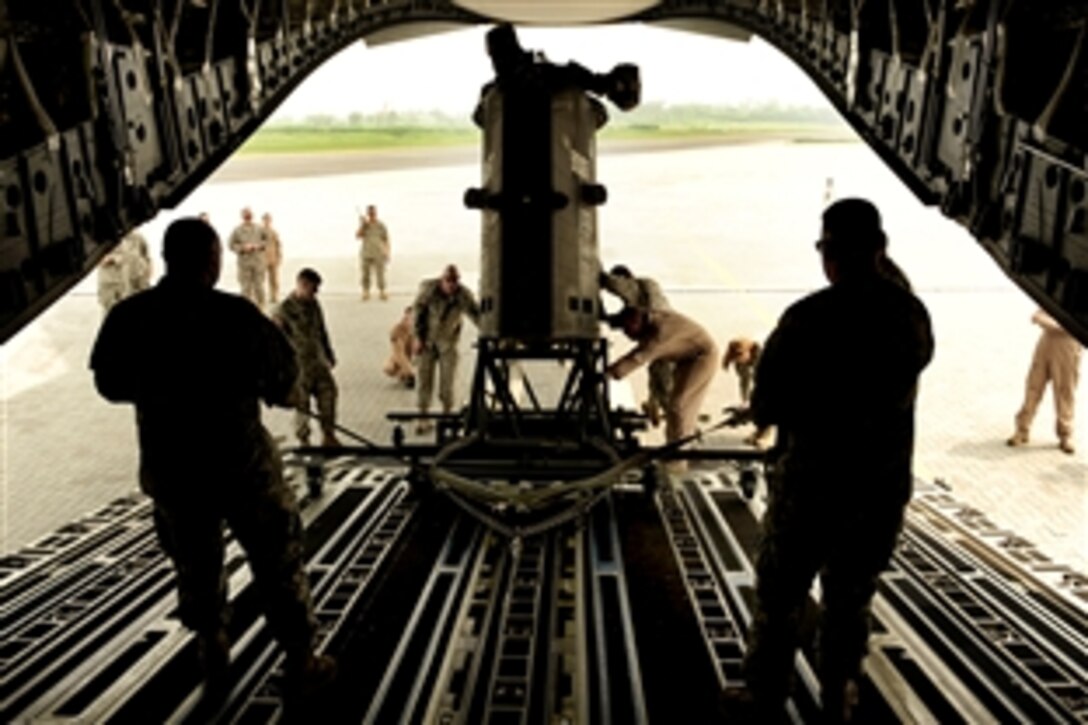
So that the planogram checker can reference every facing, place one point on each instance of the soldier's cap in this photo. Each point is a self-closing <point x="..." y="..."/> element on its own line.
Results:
<point x="311" y="276"/>
<point x="620" y="270"/>
<point x="852" y="227"/>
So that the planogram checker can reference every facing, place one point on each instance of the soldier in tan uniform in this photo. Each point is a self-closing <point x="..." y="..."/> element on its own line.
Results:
<point x="402" y="344"/>
<point x="248" y="241"/>
<point x="197" y="363"/>
<point x="1057" y="361"/>
<point x="273" y="257"/>
<point x="374" y="251"/>
<point x="439" y="307"/>
<point x="668" y="335"/>
<point x="644" y="293"/>
<point x="301" y="318"/>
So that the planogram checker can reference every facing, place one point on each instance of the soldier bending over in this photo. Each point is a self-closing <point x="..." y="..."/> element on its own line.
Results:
<point x="439" y="307"/>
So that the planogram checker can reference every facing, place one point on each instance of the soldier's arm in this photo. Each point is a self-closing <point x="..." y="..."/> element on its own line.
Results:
<point x="420" y="313"/>
<point x="276" y="363"/>
<point x="325" y="341"/>
<point x="236" y="243"/>
<point x="630" y="362"/>
<point x="113" y="359"/>
<point x="472" y="309"/>
<point x="766" y="403"/>
<point x="1046" y="322"/>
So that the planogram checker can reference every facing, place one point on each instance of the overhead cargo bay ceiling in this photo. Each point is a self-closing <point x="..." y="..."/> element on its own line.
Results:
<point x="113" y="112"/>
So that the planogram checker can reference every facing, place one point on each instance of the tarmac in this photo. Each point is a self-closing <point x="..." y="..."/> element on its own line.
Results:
<point x="64" y="451"/>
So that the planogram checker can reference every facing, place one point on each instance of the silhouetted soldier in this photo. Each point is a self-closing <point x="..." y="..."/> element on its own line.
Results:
<point x="301" y="317"/>
<point x="838" y="376"/>
<point x="196" y="363"/>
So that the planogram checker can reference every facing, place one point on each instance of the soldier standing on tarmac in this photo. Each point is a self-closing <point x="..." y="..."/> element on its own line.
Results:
<point x="248" y="241"/>
<point x="124" y="271"/>
<point x="846" y="358"/>
<point x="301" y="317"/>
<point x="644" y="293"/>
<point x="1057" y="361"/>
<point x="439" y="307"/>
<point x="374" y="251"/>
<point x="196" y="363"/>
<point x="273" y="256"/>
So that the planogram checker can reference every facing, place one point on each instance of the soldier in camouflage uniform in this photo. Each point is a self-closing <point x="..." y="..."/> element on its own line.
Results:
<point x="111" y="280"/>
<point x="124" y="271"/>
<point x="137" y="262"/>
<point x="439" y="307"/>
<point x="645" y="294"/>
<point x="838" y="376"/>
<point x="196" y="363"/>
<point x="300" y="316"/>
<point x="248" y="241"/>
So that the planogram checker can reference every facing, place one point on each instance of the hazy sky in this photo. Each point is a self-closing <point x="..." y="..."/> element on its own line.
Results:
<point x="445" y="71"/>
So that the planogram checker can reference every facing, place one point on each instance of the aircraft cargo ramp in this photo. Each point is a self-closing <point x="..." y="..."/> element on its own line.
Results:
<point x="635" y="614"/>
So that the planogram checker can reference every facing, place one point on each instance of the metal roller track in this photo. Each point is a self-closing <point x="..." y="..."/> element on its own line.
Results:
<point x="636" y="614"/>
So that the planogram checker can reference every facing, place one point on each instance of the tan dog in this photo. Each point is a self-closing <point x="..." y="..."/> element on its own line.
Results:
<point x="743" y="355"/>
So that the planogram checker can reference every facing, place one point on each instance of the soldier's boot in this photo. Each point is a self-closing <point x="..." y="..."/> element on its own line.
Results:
<point x="740" y="705"/>
<point x="308" y="675"/>
<point x="214" y="651"/>
<point x="1066" y="445"/>
<point x="839" y="701"/>
<point x="1018" y="438"/>
<point x="383" y="296"/>
<point x="329" y="440"/>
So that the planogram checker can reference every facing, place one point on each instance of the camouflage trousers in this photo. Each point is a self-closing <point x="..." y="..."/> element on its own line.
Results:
<point x="251" y="279"/>
<point x="262" y="513"/>
<point x="847" y="543"/>
<point x="443" y="358"/>
<point x="316" y="382"/>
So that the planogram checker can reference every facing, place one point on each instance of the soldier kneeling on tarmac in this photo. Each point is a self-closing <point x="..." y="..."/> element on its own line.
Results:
<point x="196" y="363"/>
